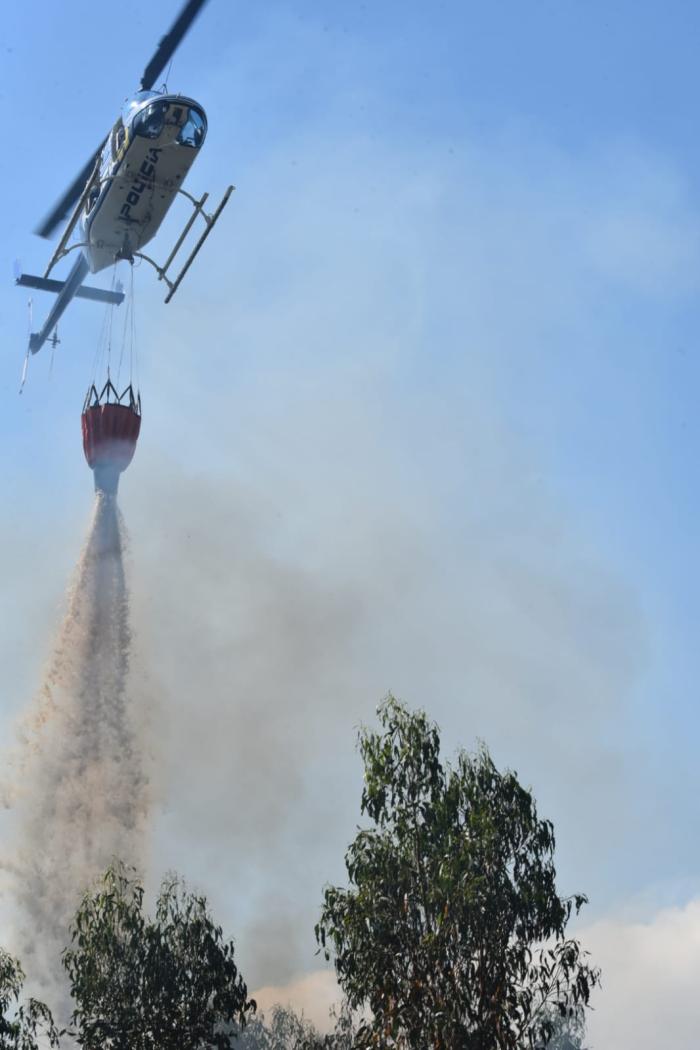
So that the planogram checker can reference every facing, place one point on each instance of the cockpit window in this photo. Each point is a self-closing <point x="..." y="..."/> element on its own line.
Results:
<point x="92" y="198"/>
<point x="149" y="122"/>
<point x="191" y="123"/>
<point x="193" y="131"/>
<point x="118" y="137"/>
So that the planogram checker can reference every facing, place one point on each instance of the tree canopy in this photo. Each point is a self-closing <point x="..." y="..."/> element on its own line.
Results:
<point x="568" y="1032"/>
<point x="22" y="1024"/>
<point x="284" y="1029"/>
<point x="452" y="933"/>
<point x="163" y="983"/>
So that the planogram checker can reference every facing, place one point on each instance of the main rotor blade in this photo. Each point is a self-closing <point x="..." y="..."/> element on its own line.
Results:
<point x="66" y="202"/>
<point x="166" y="47"/>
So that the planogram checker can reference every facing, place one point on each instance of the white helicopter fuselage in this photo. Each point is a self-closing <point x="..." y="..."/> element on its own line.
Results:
<point x="135" y="179"/>
<point x="142" y="167"/>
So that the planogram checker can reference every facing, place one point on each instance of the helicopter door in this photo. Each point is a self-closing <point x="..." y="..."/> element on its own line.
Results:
<point x="118" y="139"/>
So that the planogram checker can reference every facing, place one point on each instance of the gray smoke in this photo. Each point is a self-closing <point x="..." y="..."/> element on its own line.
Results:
<point x="82" y="796"/>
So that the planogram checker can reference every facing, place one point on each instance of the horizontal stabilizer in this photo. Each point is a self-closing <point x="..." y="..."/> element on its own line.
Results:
<point x="99" y="295"/>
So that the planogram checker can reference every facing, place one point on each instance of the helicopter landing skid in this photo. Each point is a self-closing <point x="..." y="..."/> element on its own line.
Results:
<point x="209" y="219"/>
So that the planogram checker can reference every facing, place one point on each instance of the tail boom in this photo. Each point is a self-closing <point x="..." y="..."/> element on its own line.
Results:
<point x="69" y="289"/>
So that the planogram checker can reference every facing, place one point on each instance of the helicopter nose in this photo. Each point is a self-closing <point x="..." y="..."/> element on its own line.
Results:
<point x="168" y="135"/>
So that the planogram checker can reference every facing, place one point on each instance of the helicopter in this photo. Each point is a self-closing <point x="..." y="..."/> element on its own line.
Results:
<point x="120" y="197"/>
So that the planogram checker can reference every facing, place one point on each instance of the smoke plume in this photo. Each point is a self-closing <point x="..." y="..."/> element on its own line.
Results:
<point x="82" y="794"/>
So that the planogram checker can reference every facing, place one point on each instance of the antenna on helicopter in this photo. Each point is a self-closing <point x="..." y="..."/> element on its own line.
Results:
<point x="23" y="380"/>
<point x="164" y="89"/>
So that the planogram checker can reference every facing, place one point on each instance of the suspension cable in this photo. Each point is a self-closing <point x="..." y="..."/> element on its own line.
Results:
<point x="103" y="352"/>
<point x="128" y="330"/>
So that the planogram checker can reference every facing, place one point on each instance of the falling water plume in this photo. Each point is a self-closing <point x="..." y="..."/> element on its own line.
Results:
<point x="83" y="799"/>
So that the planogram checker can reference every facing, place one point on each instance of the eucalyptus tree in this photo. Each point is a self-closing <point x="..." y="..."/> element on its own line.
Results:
<point x="569" y="1031"/>
<point x="451" y="933"/>
<point x="168" y="982"/>
<point x="280" y="1029"/>
<point x="24" y="1024"/>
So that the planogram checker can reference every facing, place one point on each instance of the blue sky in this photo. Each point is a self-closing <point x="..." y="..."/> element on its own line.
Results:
<point x="437" y="368"/>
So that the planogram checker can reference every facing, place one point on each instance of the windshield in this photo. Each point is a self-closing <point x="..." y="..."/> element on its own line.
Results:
<point x="150" y="122"/>
<point x="193" y="130"/>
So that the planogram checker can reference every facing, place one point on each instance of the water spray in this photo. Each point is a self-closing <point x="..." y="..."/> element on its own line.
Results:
<point x="83" y="794"/>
